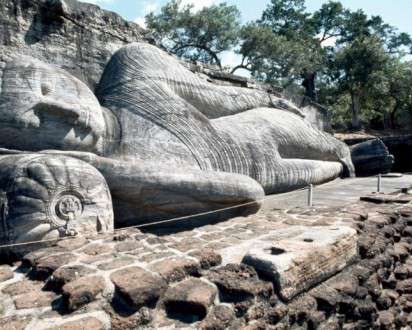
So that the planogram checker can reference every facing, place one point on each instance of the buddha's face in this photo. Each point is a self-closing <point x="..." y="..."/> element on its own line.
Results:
<point x="43" y="107"/>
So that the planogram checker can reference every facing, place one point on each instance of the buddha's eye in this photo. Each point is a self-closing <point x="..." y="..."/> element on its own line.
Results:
<point x="46" y="88"/>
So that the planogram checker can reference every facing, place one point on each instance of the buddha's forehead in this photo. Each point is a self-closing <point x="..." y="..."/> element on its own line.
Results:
<point x="26" y="79"/>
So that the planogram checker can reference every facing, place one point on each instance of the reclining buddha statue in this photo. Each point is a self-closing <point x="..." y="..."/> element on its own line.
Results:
<point x="157" y="140"/>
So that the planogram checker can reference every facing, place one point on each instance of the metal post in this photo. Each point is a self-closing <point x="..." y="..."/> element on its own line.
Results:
<point x="310" y="195"/>
<point x="379" y="183"/>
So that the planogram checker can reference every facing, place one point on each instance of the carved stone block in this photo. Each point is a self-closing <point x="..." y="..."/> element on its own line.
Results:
<point x="305" y="258"/>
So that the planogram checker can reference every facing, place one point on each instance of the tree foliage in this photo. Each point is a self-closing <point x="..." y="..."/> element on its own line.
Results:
<point x="357" y="61"/>
<point x="200" y="35"/>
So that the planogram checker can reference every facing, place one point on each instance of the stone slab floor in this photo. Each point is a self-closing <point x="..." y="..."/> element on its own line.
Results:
<point x="339" y="192"/>
<point x="196" y="278"/>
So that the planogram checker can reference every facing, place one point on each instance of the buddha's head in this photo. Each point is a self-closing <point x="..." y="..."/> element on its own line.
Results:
<point x="44" y="107"/>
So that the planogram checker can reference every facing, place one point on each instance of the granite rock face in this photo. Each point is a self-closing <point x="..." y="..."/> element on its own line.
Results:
<point x="371" y="157"/>
<point x="167" y="142"/>
<point x="78" y="37"/>
<point x="168" y="114"/>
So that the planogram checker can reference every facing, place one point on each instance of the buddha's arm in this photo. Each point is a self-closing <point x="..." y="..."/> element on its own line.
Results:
<point x="150" y="191"/>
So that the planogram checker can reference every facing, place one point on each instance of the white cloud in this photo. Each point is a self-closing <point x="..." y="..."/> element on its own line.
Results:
<point x="141" y="21"/>
<point x="150" y="7"/>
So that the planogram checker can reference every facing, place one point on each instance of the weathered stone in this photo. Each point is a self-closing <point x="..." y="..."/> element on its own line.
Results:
<point x="73" y="243"/>
<point x="315" y="319"/>
<point x="208" y="258"/>
<point x="405" y="302"/>
<point x="47" y="265"/>
<point x="392" y="294"/>
<point x="22" y="287"/>
<point x="128" y="246"/>
<point x="326" y="297"/>
<point x="31" y="258"/>
<point x="67" y="274"/>
<point x="6" y="273"/>
<point x="34" y="299"/>
<point x="152" y="256"/>
<point x="89" y="323"/>
<point x="401" y="272"/>
<point x="407" y="231"/>
<point x="97" y="248"/>
<point x="371" y="157"/>
<point x="238" y="283"/>
<point x="46" y="191"/>
<point x="16" y="322"/>
<point x="137" y="320"/>
<point x="404" y="286"/>
<point x="97" y="259"/>
<point x="365" y="310"/>
<point x="219" y="318"/>
<point x="82" y="291"/>
<point x="277" y="313"/>
<point x="116" y="263"/>
<point x="302" y="306"/>
<point x="138" y="287"/>
<point x="190" y="297"/>
<point x="257" y="311"/>
<point x="176" y="268"/>
<point x="301" y="261"/>
<point x="380" y="198"/>
<point x="373" y="285"/>
<point x="58" y="27"/>
<point x="347" y="285"/>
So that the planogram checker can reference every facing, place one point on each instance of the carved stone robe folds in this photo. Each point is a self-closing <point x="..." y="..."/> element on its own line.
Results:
<point x="165" y="141"/>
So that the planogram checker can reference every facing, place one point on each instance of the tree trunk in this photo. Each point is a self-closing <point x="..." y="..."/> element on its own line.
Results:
<point x="355" y="109"/>
<point x="393" y="116"/>
<point x="386" y="120"/>
<point x="309" y="84"/>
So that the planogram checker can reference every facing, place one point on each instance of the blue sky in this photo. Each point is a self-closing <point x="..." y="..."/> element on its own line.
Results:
<point x="396" y="13"/>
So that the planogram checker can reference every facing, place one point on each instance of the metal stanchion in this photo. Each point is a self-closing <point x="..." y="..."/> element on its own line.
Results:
<point x="310" y="195"/>
<point x="379" y="183"/>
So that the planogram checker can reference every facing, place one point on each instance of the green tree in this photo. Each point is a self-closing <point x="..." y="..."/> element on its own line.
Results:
<point x="364" y="50"/>
<point x="358" y="67"/>
<point x="399" y="89"/>
<point x="274" y="58"/>
<point x="286" y="44"/>
<point x="201" y="35"/>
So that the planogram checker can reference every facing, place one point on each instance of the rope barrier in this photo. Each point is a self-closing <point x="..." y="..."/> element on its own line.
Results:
<point x="182" y="218"/>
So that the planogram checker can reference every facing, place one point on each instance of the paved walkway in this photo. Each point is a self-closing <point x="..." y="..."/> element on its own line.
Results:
<point x="338" y="192"/>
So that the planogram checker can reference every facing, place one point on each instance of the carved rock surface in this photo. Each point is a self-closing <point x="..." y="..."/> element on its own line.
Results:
<point x="297" y="263"/>
<point x="76" y="36"/>
<point x="50" y="197"/>
<point x="168" y="142"/>
<point x="184" y="127"/>
<point x="371" y="157"/>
